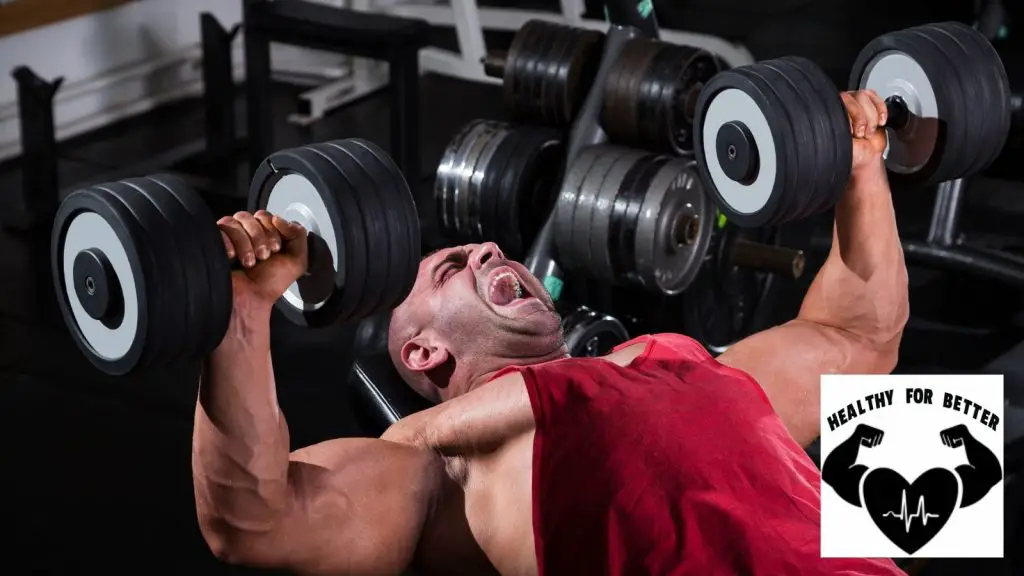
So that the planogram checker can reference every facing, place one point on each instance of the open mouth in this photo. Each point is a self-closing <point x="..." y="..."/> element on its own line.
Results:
<point x="507" y="289"/>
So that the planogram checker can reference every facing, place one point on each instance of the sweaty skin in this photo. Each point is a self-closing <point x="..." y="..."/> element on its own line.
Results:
<point x="448" y="490"/>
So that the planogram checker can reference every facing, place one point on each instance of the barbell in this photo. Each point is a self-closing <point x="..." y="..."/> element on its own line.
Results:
<point x="774" y="141"/>
<point x="141" y="274"/>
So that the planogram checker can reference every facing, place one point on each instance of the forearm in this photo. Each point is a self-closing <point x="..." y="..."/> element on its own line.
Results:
<point x="862" y="287"/>
<point x="240" y="453"/>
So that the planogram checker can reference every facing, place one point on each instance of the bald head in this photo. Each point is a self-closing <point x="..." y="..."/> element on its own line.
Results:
<point x="470" y="313"/>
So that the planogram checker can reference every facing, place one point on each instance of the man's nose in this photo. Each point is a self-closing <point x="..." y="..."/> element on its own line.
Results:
<point x="484" y="253"/>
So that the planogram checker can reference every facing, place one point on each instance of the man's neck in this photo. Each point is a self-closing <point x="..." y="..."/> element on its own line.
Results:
<point x="465" y="381"/>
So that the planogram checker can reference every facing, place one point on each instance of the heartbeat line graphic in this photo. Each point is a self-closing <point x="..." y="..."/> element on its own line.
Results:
<point x="908" y="519"/>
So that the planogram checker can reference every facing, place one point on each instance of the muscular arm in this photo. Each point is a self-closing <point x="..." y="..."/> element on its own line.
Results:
<point x="981" y="472"/>
<point x="851" y="319"/>
<point x="349" y="506"/>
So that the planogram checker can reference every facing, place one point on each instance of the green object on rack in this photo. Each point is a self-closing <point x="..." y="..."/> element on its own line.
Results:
<point x="554" y="287"/>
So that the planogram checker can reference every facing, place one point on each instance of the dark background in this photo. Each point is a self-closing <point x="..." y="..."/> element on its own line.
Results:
<point x="96" y="470"/>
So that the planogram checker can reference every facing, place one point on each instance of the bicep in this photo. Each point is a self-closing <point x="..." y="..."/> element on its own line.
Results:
<point x="357" y="506"/>
<point x="788" y="361"/>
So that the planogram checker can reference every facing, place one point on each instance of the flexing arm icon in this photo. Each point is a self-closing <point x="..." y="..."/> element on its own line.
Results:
<point x="841" y="471"/>
<point x="982" y="470"/>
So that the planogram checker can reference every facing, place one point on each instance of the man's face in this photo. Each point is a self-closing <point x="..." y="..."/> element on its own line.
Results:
<point x="473" y="308"/>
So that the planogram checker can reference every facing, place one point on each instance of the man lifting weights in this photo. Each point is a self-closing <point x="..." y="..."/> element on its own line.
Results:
<point x="655" y="459"/>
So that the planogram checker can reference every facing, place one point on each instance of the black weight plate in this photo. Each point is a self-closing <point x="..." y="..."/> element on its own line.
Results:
<point x="718" y="105"/>
<point x="580" y="72"/>
<point x="405" y="204"/>
<point x="542" y="62"/>
<point x="449" y="171"/>
<point x="565" y="205"/>
<point x="625" y="216"/>
<point x="539" y="184"/>
<point x="535" y="53"/>
<point x="990" y="75"/>
<point x="590" y="186"/>
<point x="490" y="186"/>
<point x="649" y="50"/>
<point x="93" y="218"/>
<point x="650" y="133"/>
<point x="804" y="153"/>
<point x="514" y="179"/>
<point x="464" y="165"/>
<point x="679" y="97"/>
<point x="167" y="311"/>
<point x="922" y="154"/>
<point x="339" y="216"/>
<point x="673" y="229"/>
<point x="384" y="228"/>
<point x="615" y="112"/>
<point x="483" y="164"/>
<point x="812" y="125"/>
<point x="966" y="99"/>
<point x="552" y="90"/>
<point x="601" y="217"/>
<point x="470" y="176"/>
<point x="213" y="258"/>
<point x="792" y="158"/>
<point x="379" y="229"/>
<point x="514" y="89"/>
<point x="836" y="130"/>
<point x="590" y="334"/>
<point x="192" y="282"/>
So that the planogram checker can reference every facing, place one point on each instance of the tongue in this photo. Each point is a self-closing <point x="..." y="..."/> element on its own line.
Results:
<point x="503" y="292"/>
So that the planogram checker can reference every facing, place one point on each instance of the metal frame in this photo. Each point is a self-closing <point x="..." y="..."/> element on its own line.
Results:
<point x="470" y="21"/>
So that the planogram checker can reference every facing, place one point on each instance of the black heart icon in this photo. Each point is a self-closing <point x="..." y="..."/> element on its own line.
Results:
<point x="910" y="514"/>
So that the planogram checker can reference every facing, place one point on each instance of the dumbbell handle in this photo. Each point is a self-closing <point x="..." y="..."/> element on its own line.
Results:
<point x="897" y="112"/>
<point x="494" y="63"/>
<point x="767" y="258"/>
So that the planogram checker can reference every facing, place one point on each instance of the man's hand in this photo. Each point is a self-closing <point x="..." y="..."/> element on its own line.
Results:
<point x="272" y="251"/>
<point x="868" y="436"/>
<point x="954" y="437"/>
<point x="867" y="115"/>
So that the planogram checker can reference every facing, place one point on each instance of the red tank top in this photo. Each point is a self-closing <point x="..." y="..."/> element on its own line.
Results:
<point x="674" y="464"/>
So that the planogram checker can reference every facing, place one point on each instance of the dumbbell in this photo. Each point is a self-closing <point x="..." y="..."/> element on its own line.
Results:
<point x="496" y="183"/>
<point x="143" y="280"/>
<point x="773" y="139"/>
<point x="649" y="96"/>
<point x="589" y="333"/>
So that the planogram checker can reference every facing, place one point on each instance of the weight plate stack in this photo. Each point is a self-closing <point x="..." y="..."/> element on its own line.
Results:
<point x="496" y="182"/>
<point x="589" y="334"/>
<point x="651" y="95"/>
<point x="719" y="308"/>
<point x="772" y="142"/>
<point x="364" y="244"/>
<point x="949" y="100"/>
<point x="548" y="71"/>
<point x="130" y="275"/>
<point x="627" y="216"/>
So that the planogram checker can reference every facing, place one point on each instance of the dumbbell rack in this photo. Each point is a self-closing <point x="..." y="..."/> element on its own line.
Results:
<point x="628" y="20"/>
<point x="945" y="246"/>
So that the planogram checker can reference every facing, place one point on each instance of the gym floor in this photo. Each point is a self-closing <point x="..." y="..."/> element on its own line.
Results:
<point x="98" y="468"/>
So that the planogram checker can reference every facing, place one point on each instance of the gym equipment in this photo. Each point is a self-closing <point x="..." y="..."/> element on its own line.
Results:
<point x="651" y="94"/>
<point x="774" y="140"/>
<point x="721" y="306"/>
<point x="948" y="99"/>
<point x="590" y="334"/>
<point x="495" y="182"/>
<point x="629" y="216"/>
<point x="547" y="71"/>
<point x="142" y="279"/>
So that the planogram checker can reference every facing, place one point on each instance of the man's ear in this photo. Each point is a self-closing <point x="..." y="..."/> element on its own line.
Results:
<point x="422" y="354"/>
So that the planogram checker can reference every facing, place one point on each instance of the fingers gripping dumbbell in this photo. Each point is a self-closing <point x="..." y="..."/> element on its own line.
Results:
<point x="774" y="141"/>
<point x="143" y="280"/>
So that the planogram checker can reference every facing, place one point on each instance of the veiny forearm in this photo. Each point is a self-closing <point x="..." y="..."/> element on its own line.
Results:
<point x="240" y="452"/>
<point x="862" y="287"/>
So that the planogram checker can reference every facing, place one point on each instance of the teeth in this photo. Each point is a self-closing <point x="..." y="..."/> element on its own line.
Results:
<point x="515" y="282"/>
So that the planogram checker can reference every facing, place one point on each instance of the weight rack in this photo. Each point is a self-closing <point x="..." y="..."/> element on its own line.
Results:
<point x="627" y="20"/>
